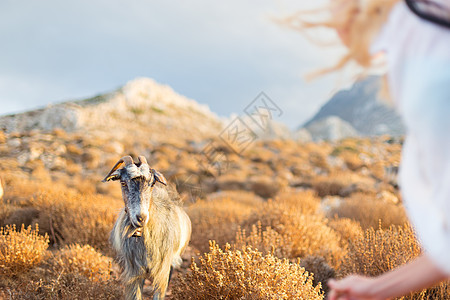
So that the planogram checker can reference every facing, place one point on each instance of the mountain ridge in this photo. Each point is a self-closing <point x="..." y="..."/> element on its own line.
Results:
<point x="142" y="108"/>
<point x="362" y="108"/>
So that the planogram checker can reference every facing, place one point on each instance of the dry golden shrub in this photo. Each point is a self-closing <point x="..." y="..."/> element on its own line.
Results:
<point x="368" y="211"/>
<point x="347" y="229"/>
<point x="324" y="148"/>
<point x="82" y="260"/>
<point x="91" y="158"/>
<point x="319" y="160"/>
<point x="260" y="154"/>
<point x="342" y="183"/>
<point x="41" y="174"/>
<point x="69" y="217"/>
<point x="310" y="235"/>
<point x="265" y="241"/>
<point x="305" y="201"/>
<point x="73" y="168"/>
<point x="378" y="169"/>
<point x="74" y="149"/>
<point x="185" y="162"/>
<point x="217" y="220"/>
<point x="66" y="286"/>
<point x="303" y="228"/>
<point x="83" y="186"/>
<point x="60" y="133"/>
<point x="381" y="250"/>
<point x="352" y="160"/>
<point x="20" y="250"/>
<point x="245" y="274"/>
<point x="6" y="163"/>
<point x="21" y="216"/>
<point x="20" y="190"/>
<point x="5" y="212"/>
<point x="66" y="215"/>
<point x="328" y="187"/>
<point x="243" y="197"/>
<point x="264" y="185"/>
<point x="285" y="207"/>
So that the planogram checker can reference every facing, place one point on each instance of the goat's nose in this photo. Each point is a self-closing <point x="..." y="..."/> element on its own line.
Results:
<point x="141" y="218"/>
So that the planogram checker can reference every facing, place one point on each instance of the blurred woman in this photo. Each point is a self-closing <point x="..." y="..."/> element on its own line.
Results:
<point x="414" y="37"/>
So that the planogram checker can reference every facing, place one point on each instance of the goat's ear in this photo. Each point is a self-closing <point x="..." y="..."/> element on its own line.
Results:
<point x="159" y="177"/>
<point x="114" y="176"/>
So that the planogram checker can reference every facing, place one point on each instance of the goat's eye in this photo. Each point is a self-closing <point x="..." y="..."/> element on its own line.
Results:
<point x="123" y="183"/>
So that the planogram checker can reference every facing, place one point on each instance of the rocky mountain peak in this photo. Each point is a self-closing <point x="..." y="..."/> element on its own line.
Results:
<point x="142" y="108"/>
<point x="360" y="107"/>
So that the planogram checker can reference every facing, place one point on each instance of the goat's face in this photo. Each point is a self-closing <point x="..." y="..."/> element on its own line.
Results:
<point x="137" y="180"/>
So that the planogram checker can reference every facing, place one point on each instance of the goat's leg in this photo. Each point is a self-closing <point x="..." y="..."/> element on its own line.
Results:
<point x="157" y="295"/>
<point x="133" y="290"/>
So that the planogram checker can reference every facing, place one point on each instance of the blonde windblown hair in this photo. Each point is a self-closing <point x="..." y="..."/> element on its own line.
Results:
<point x="356" y="21"/>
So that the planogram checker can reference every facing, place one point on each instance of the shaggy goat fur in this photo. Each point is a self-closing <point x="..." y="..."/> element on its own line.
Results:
<point x="162" y="237"/>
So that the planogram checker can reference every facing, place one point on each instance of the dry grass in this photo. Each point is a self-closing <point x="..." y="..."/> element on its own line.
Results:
<point x="246" y="274"/>
<point x="352" y="160"/>
<point x="66" y="286"/>
<point x="73" y="218"/>
<point x="310" y="235"/>
<point x="348" y="229"/>
<point x="380" y="250"/>
<point x="283" y="209"/>
<point x="20" y="250"/>
<point x="343" y="183"/>
<point x="75" y="272"/>
<point x="303" y="229"/>
<point x="218" y="219"/>
<point x="265" y="241"/>
<point x="74" y="208"/>
<point x="369" y="211"/>
<point x="64" y="214"/>
<point x="81" y="260"/>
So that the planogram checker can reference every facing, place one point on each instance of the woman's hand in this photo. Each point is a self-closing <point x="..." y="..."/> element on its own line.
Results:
<point x="413" y="276"/>
<point x="353" y="287"/>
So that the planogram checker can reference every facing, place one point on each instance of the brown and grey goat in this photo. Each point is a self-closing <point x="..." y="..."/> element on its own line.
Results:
<point x="152" y="230"/>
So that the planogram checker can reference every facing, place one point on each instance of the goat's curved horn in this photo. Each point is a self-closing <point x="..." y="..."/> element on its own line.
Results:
<point x="128" y="160"/>
<point x="142" y="160"/>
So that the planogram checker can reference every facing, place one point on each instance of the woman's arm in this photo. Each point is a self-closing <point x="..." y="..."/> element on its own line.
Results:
<point x="416" y="275"/>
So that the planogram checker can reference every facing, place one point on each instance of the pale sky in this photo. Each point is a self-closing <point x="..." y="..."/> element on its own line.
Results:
<point x="219" y="53"/>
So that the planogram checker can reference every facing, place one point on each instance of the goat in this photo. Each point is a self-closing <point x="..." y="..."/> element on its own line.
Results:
<point x="151" y="231"/>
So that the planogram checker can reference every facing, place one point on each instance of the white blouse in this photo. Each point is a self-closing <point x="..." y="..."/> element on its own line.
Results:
<point x="418" y="57"/>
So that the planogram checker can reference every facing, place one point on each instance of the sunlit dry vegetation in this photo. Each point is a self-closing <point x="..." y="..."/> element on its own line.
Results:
<point x="276" y="222"/>
<point x="20" y="250"/>
<point x="246" y="274"/>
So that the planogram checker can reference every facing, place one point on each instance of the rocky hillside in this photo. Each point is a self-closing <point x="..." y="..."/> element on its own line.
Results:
<point x="331" y="128"/>
<point x="361" y="108"/>
<point x="140" y="110"/>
